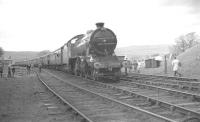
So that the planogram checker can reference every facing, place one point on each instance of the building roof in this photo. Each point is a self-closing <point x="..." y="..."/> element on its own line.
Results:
<point x="159" y="58"/>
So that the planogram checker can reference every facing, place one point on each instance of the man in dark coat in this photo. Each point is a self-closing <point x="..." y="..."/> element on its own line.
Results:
<point x="1" y="70"/>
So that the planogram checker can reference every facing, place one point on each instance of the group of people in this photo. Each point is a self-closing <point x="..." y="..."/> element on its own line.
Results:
<point x="128" y="65"/>
<point x="11" y="71"/>
<point x="29" y="66"/>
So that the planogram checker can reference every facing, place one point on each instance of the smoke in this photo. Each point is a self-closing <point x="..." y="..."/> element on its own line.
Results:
<point x="194" y="5"/>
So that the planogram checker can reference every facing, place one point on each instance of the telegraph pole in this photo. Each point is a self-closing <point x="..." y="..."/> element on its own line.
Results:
<point x="165" y="65"/>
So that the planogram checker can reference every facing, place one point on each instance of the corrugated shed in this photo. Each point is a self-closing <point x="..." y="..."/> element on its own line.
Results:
<point x="152" y="63"/>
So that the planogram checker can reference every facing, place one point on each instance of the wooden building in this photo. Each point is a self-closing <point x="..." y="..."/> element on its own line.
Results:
<point x="152" y="63"/>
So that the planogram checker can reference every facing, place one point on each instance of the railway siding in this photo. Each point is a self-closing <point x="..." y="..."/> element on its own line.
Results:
<point x="165" y="77"/>
<point x="150" y="102"/>
<point x="147" y="116"/>
<point x="177" y="86"/>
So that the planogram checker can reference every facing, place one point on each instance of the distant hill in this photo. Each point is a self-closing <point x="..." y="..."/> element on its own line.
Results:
<point x="131" y="51"/>
<point x="142" y="51"/>
<point x="20" y="55"/>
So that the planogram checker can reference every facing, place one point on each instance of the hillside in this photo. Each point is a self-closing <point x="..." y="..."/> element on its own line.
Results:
<point x="20" y="55"/>
<point x="142" y="51"/>
<point x="190" y="61"/>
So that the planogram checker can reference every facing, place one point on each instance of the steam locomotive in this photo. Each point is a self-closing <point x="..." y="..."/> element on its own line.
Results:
<point x="87" y="55"/>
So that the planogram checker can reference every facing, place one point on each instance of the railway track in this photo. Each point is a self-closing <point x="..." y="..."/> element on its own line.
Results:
<point x="57" y="109"/>
<point x="186" y="85"/>
<point x="146" y="76"/>
<point x="153" y="102"/>
<point x="177" y="98"/>
<point x="99" y="107"/>
<point x="74" y="111"/>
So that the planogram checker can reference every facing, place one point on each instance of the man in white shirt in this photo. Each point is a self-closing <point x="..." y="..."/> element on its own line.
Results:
<point x="176" y="64"/>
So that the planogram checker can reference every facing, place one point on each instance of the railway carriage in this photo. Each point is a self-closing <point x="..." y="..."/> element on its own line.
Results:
<point x="42" y="60"/>
<point x="58" y="59"/>
<point x="51" y="60"/>
<point x="35" y="61"/>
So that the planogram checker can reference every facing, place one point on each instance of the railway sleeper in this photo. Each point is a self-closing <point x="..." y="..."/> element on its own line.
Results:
<point x="192" y="103"/>
<point x="125" y="97"/>
<point x="184" y="87"/>
<point x="83" y="120"/>
<point x="191" y="119"/>
<point x="195" y="98"/>
<point x="148" y="82"/>
<point x="152" y="102"/>
<point x="144" y="104"/>
<point x="165" y="112"/>
<point x="183" y="112"/>
<point x="175" y="86"/>
<point x="155" y="109"/>
<point x="193" y="88"/>
<point x="156" y="84"/>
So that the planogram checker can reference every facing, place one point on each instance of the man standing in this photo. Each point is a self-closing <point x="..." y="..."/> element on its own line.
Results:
<point x="1" y="70"/>
<point x="125" y="65"/>
<point x="40" y="67"/>
<point x="28" y="67"/>
<point x="135" y="65"/>
<point x="176" y="64"/>
<point x="13" y="71"/>
<point x="9" y="71"/>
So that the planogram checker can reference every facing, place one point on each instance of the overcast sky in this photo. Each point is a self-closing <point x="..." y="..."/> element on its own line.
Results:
<point x="36" y="25"/>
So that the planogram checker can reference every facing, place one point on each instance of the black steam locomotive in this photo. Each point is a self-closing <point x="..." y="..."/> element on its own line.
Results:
<point x="89" y="55"/>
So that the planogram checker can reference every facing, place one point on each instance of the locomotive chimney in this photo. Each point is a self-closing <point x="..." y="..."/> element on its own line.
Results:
<point x="100" y="25"/>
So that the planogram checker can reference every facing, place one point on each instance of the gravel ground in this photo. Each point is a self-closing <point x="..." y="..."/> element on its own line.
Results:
<point x="21" y="101"/>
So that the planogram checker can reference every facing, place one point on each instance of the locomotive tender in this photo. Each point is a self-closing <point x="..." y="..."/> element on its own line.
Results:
<point x="89" y="55"/>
